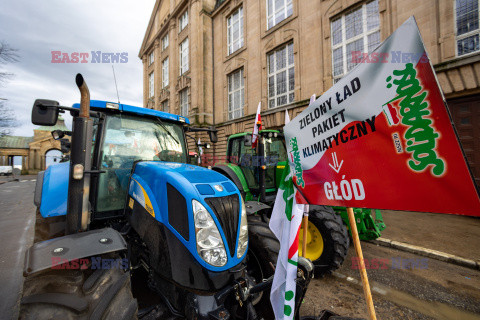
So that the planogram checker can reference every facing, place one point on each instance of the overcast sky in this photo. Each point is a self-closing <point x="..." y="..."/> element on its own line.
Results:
<point x="36" y="28"/>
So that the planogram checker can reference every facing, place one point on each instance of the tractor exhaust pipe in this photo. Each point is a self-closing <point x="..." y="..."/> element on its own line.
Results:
<point x="78" y="213"/>
<point x="84" y="96"/>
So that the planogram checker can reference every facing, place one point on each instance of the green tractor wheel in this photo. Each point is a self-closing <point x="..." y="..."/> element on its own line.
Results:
<point x="327" y="239"/>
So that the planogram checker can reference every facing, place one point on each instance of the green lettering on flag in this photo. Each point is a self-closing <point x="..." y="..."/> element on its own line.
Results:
<point x="287" y="187"/>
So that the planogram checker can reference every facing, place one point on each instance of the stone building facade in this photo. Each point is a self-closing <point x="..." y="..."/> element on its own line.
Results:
<point x="280" y="52"/>
<point x="33" y="150"/>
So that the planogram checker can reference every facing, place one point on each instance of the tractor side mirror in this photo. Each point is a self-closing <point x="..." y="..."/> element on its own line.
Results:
<point x="213" y="135"/>
<point x="65" y="145"/>
<point x="59" y="134"/>
<point x="45" y="112"/>
<point x="204" y="145"/>
<point x="247" y="140"/>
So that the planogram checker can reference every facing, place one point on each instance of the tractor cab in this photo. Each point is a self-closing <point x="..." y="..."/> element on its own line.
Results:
<point x="269" y="155"/>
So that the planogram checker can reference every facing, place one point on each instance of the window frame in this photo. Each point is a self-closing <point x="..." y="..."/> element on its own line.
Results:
<point x="231" y="94"/>
<point x="151" y="58"/>
<point x="184" y="103"/>
<point x="162" y="105"/>
<point x="183" y="21"/>
<point x="184" y="52"/>
<point x="230" y="30"/>
<point x="151" y="84"/>
<point x="165" y="71"/>
<point x="287" y="67"/>
<point x="344" y="42"/>
<point x="286" y="4"/>
<point x="165" y="42"/>
<point x="465" y="35"/>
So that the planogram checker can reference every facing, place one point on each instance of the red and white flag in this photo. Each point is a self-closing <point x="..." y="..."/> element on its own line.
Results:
<point x="257" y="126"/>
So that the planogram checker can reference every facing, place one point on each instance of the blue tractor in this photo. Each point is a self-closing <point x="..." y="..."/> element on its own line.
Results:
<point x="127" y="229"/>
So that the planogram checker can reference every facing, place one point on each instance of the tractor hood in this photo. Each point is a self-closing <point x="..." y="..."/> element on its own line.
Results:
<point x="166" y="191"/>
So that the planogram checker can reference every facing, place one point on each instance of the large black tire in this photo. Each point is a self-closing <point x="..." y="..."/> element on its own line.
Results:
<point x="263" y="248"/>
<point x="335" y="238"/>
<point x="78" y="294"/>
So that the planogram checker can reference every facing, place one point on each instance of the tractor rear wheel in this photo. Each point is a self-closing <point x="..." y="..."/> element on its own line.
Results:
<point x="78" y="294"/>
<point x="263" y="248"/>
<point x="327" y="239"/>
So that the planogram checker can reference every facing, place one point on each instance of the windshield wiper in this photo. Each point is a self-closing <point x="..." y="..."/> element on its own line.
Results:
<point x="160" y="122"/>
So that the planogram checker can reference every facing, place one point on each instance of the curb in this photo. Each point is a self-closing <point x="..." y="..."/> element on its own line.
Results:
<point x="434" y="254"/>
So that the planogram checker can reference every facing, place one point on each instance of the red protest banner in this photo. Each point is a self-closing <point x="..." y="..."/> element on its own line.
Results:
<point x="382" y="138"/>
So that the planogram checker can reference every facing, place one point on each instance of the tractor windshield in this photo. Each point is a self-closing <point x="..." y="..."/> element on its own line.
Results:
<point x="274" y="157"/>
<point x="128" y="139"/>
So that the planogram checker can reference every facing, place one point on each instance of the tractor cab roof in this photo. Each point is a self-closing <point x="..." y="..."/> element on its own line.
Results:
<point x="241" y="134"/>
<point x="125" y="108"/>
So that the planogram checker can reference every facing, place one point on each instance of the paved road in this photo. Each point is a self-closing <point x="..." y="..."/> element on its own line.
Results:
<point x="17" y="219"/>
<point x="431" y="290"/>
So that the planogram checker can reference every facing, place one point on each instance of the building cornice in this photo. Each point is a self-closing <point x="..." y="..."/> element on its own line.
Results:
<point x="456" y="63"/>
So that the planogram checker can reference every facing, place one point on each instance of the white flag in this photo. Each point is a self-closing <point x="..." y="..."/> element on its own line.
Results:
<point x="287" y="117"/>
<point x="285" y="224"/>
<point x="200" y="151"/>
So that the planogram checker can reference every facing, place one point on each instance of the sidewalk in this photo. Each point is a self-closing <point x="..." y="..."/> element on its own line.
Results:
<point x="452" y="234"/>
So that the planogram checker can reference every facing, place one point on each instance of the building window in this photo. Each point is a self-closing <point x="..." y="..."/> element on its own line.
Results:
<point x="277" y="11"/>
<point x="165" y="73"/>
<point x="165" y="42"/>
<point x="467" y="26"/>
<point x="165" y="107"/>
<point x="356" y="31"/>
<point x="183" y="21"/>
<point x="151" y="57"/>
<point x="281" y="76"/>
<point x="184" y="56"/>
<point x="236" y="93"/>
<point x="184" y="102"/>
<point x="235" y="31"/>
<point x="151" y="85"/>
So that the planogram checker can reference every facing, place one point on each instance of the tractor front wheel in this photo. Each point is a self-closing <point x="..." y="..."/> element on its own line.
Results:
<point x="263" y="248"/>
<point x="78" y="294"/>
<point x="327" y="239"/>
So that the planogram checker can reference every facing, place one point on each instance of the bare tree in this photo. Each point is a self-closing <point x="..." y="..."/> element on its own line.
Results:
<point x="7" y="116"/>
<point x="7" y="119"/>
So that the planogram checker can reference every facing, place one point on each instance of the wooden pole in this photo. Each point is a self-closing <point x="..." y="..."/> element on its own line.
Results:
<point x="304" y="242"/>
<point x="363" y="272"/>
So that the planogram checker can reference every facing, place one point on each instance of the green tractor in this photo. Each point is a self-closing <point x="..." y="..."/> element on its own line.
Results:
<point x="257" y="173"/>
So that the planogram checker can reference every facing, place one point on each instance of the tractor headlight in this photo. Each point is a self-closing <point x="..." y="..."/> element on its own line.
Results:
<point x="209" y="241"/>
<point x="243" y="237"/>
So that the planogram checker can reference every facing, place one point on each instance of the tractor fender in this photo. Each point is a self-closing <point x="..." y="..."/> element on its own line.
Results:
<point x="47" y="254"/>
<point x="230" y="174"/>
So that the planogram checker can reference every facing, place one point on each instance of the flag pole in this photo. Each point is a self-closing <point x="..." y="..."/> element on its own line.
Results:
<point x="363" y="272"/>
<point x="305" y="226"/>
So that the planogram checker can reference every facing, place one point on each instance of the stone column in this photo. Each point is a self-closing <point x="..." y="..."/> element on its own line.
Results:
<point x="37" y="160"/>
<point x="24" y="164"/>
<point x="31" y="157"/>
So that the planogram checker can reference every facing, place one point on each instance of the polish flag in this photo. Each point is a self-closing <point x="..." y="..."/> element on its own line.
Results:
<point x="391" y="114"/>
<point x="257" y="126"/>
